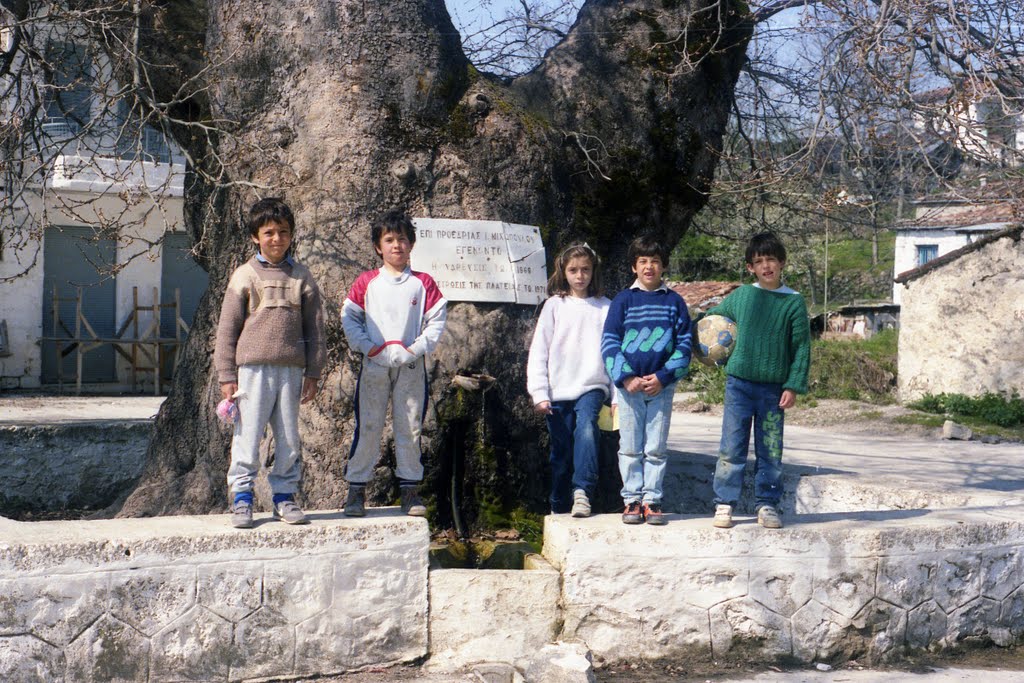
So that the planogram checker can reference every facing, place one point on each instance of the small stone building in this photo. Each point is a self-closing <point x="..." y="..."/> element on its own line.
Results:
<point x="962" y="320"/>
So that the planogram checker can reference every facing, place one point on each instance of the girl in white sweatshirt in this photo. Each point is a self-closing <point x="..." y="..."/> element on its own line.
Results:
<point x="566" y="378"/>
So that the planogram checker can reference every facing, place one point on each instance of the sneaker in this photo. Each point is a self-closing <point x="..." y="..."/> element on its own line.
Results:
<point x="768" y="517"/>
<point x="412" y="504"/>
<point x="580" y="504"/>
<point x="723" y="517"/>
<point x="634" y="513"/>
<point x="289" y="512"/>
<point x="355" y="503"/>
<point x="653" y="514"/>
<point x="241" y="514"/>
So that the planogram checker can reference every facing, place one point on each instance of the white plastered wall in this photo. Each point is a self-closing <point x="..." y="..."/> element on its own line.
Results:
<point x="22" y="297"/>
<point x="962" y="325"/>
<point x="905" y="257"/>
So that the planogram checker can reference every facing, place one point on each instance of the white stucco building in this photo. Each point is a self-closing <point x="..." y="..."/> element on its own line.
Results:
<point x="943" y="224"/>
<point x="962" y="320"/>
<point x="985" y="126"/>
<point x="96" y="209"/>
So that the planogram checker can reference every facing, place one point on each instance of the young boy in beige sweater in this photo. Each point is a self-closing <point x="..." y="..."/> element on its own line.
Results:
<point x="269" y="355"/>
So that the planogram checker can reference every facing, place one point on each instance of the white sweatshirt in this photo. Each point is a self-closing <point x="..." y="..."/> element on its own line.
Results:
<point x="565" y="355"/>
<point x="405" y="311"/>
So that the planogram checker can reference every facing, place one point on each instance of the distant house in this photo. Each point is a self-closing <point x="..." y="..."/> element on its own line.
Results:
<point x="945" y="223"/>
<point x="861" y="321"/>
<point x="962" y="320"/>
<point x="973" y="119"/>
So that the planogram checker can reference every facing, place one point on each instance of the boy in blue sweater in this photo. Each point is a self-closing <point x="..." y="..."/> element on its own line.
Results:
<point x="646" y="350"/>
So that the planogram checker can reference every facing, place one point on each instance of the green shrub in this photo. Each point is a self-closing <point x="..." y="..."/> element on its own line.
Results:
<point x="709" y="383"/>
<point x="858" y="370"/>
<point x="990" y="407"/>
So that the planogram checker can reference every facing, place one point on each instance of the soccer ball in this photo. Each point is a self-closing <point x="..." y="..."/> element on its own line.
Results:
<point x="715" y="340"/>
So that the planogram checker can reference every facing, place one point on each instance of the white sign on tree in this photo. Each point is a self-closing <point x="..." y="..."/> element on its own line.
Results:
<point x="482" y="260"/>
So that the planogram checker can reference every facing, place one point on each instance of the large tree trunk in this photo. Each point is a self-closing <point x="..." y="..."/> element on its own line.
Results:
<point x="349" y="108"/>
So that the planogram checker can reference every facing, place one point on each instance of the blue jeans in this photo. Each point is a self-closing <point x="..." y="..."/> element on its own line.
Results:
<point x="573" y="429"/>
<point x="643" y="434"/>
<point x="747" y="402"/>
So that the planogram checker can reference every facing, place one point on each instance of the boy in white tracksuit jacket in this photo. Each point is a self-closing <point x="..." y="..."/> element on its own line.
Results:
<point x="394" y="316"/>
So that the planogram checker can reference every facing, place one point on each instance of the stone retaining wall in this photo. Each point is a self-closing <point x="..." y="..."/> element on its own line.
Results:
<point x="827" y="587"/>
<point x="492" y="615"/>
<point x="189" y="598"/>
<point x="79" y="466"/>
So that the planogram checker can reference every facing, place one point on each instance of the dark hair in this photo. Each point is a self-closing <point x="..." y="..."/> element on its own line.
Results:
<point x="557" y="284"/>
<point x="765" y="244"/>
<point x="269" y="210"/>
<point x="647" y="245"/>
<point x="394" y="220"/>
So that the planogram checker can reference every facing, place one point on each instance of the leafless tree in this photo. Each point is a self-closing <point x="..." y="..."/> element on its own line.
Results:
<point x="84" y="105"/>
<point x="880" y="100"/>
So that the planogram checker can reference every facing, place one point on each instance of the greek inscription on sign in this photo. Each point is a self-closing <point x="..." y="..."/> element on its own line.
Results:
<point x="482" y="260"/>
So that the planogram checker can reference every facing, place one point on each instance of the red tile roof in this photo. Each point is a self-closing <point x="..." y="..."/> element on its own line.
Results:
<point x="702" y="295"/>
<point x="962" y="215"/>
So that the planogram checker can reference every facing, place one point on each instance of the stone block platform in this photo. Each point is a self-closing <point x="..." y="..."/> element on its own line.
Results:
<point x="828" y="587"/>
<point x="190" y="598"/>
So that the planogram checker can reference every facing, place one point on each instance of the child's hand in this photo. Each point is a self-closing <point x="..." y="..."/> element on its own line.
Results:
<point x="378" y="356"/>
<point x="633" y="384"/>
<point x="788" y="399"/>
<point x="398" y="355"/>
<point x="228" y="390"/>
<point x="310" y="386"/>
<point x="652" y="385"/>
<point x="544" y="408"/>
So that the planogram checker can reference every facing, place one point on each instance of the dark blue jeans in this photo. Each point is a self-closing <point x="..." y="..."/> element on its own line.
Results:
<point x="573" y="429"/>
<point x="747" y="402"/>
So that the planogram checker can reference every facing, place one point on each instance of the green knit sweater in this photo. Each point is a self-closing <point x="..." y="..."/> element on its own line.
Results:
<point x="773" y="337"/>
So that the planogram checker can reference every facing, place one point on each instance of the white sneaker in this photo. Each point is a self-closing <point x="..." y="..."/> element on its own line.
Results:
<point x="580" y="504"/>
<point x="723" y="517"/>
<point x="768" y="517"/>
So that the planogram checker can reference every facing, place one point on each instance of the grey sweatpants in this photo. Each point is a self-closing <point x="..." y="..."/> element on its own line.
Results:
<point x="270" y="394"/>
<point x="406" y="388"/>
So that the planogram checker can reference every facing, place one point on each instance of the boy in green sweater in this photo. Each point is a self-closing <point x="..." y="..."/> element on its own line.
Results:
<point x="765" y="372"/>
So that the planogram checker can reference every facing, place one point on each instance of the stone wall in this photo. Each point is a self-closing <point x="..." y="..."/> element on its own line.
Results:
<point x="830" y="587"/>
<point x="51" y="468"/>
<point x="492" y="615"/>
<point x="962" y="325"/>
<point x="190" y="598"/>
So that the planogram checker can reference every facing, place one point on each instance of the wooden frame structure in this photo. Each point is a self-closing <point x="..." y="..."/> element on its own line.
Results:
<point x="142" y="346"/>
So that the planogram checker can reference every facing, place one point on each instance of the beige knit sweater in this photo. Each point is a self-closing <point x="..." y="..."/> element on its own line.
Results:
<point x="271" y="315"/>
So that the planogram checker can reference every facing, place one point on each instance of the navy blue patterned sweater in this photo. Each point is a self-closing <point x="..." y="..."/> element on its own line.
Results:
<point x="644" y="333"/>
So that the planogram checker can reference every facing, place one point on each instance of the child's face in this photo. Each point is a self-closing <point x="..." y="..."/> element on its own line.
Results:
<point x="648" y="271"/>
<point x="395" y="248"/>
<point x="273" y="240"/>
<point x="578" y="273"/>
<point x="767" y="270"/>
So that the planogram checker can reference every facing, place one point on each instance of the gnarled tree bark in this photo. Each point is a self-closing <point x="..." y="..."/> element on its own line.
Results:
<point x="348" y="108"/>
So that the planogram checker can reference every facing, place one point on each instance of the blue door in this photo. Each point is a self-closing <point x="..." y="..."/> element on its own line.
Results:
<point x="179" y="271"/>
<point x="76" y="257"/>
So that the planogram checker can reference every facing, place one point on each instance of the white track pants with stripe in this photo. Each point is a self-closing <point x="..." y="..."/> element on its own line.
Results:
<point x="406" y="388"/>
